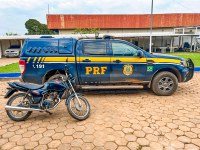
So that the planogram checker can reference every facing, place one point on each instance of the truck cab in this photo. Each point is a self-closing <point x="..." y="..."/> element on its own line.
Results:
<point x="102" y="62"/>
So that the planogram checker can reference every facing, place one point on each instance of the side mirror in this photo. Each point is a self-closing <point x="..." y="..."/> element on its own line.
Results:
<point x="140" y="54"/>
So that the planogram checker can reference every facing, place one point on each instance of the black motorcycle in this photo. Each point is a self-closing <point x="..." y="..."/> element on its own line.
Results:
<point x="44" y="98"/>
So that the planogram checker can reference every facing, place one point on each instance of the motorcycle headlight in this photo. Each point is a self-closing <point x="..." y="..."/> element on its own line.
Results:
<point x="184" y="63"/>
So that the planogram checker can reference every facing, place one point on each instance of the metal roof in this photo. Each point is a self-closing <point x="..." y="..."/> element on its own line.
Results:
<point x="71" y="21"/>
<point x="117" y="35"/>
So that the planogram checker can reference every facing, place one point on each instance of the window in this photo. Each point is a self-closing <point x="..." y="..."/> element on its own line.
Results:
<point x="123" y="49"/>
<point x="94" y="48"/>
<point x="65" y="46"/>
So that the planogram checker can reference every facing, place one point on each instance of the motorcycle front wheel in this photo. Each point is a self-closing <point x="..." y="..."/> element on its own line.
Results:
<point x="76" y="111"/>
<point x="19" y="100"/>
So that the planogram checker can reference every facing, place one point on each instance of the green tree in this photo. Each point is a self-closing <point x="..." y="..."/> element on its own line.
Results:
<point x="11" y="34"/>
<point x="34" y="27"/>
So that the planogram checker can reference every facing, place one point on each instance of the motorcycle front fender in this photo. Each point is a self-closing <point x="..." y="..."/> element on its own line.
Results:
<point x="71" y="96"/>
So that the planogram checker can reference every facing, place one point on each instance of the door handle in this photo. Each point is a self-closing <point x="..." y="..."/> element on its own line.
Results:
<point x="86" y="60"/>
<point x="117" y="61"/>
<point x="149" y="62"/>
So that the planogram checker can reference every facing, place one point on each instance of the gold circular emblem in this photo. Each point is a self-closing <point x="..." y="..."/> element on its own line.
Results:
<point x="128" y="69"/>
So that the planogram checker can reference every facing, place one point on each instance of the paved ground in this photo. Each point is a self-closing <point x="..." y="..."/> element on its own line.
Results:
<point x="130" y="119"/>
<point x="6" y="61"/>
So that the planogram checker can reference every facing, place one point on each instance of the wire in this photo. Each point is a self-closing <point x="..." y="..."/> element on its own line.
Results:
<point x="185" y="6"/>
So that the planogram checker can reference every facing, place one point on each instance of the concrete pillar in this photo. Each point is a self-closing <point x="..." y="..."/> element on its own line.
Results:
<point x="195" y="44"/>
<point x="191" y="43"/>
<point x="171" y="45"/>
<point x="21" y="44"/>
<point x="1" y="50"/>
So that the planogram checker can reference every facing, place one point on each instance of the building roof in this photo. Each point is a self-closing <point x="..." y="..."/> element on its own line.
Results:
<point x="69" y="21"/>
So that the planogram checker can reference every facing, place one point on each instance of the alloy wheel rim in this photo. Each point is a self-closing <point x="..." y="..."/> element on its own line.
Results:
<point x="166" y="84"/>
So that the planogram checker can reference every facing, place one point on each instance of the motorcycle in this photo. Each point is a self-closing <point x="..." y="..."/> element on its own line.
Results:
<point x="43" y="98"/>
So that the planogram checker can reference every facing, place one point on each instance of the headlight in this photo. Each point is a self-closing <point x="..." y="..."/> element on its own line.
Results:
<point x="184" y="63"/>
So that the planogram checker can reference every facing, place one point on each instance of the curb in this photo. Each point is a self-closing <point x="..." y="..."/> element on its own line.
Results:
<point x="10" y="75"/>
<point x="196" y="69"/>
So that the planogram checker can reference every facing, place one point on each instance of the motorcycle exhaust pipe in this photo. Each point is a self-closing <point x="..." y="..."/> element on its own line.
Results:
<point x="21" y="108"/>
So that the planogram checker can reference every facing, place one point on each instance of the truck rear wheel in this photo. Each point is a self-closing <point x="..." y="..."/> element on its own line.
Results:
<point x="164" y="84"/>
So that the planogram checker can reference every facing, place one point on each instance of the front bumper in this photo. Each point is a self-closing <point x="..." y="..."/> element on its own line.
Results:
<point x="190" y="66"/>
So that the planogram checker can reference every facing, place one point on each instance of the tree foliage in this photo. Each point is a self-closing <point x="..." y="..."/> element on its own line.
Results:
<point x="86" y="31"/>
<point x="34" y="27"/>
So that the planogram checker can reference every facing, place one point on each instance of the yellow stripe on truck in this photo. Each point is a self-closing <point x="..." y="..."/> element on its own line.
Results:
<point x="59" y="59"/>
<point x="131" y="60"/>
<point x="164" y="60"/>
<point x="35" y="58"/>
<point x="95" y="59"/>
<point x="28" y="59"/>
<point x="109" y="59"/>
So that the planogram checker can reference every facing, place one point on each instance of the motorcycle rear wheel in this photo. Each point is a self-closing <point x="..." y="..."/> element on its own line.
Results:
<point x="14" y="115"/>
<point x="76" y="112"/>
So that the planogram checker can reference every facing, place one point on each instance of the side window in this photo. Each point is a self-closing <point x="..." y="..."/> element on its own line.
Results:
<point x="94" y="48"/>
<point x="65" y="46"/>
<point x="123" y="49"/>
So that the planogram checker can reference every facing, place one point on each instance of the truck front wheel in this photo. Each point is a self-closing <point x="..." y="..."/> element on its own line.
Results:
<point x="164" y="84"/>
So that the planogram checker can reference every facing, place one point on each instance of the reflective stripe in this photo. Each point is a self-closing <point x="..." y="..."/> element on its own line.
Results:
<point x="108" y="59"/>
<point x="165" y="60"/>
<point x="95" y="59"/>
<point x="59" y="59"/>
<point x="35" y="58"/>
<point x="28" y="59"/>
<point x="39" y="59"/>
<point x="130" y="60"/>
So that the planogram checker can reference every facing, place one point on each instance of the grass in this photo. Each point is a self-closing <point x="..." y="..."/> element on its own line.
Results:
<point x="11" y="68"/>
<point x="195" y="56"/>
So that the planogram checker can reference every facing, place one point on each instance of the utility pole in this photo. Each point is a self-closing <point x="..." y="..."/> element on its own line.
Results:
<point x="48" y="8"/>
<point x="151" y="24"/>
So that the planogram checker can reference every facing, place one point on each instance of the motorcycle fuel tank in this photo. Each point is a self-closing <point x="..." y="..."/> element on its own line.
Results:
<point x="54" y="86"/>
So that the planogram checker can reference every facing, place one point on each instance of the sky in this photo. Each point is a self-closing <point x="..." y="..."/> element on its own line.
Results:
<point x="14" y="13"/>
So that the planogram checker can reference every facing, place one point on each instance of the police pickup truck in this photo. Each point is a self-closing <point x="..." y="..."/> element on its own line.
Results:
<point x="103" y="61"/>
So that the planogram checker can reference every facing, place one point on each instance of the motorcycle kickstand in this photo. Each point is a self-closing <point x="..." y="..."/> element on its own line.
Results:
<point x="50" y="113"/>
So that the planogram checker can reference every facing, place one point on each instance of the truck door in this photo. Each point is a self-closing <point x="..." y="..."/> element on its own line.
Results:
<point x="126" y="66"/>
<point x="93" y="62"/>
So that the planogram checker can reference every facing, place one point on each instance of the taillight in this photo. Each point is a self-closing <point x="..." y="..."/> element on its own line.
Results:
<point x="22" y="66"/>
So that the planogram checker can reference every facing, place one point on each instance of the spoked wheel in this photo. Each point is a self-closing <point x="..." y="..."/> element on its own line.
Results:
<point x="79" y="112"/>
<point x="20" y="101"/>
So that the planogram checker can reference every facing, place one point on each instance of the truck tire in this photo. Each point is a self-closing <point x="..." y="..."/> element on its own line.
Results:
<point x="164" y="84"/>
<point x="57" y="76"/>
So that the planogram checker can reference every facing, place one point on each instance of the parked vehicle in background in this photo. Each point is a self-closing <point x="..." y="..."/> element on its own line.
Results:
<point x="13" y="51"/>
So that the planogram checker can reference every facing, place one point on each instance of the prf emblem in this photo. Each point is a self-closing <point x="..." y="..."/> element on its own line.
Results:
<point x="128" y="70"/>
<point x="95" y="70"/>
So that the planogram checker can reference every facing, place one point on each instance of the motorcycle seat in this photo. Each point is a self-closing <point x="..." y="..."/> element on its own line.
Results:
<point x="29" y="85"/>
